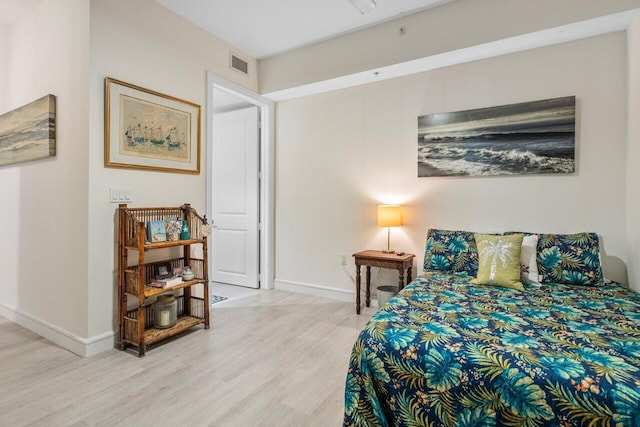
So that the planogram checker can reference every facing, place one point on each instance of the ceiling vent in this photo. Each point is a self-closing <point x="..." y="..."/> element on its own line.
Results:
<point x="239" y="64"/>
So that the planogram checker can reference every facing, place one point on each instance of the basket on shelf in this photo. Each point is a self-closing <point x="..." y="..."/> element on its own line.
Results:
<point x="153" y="334"/>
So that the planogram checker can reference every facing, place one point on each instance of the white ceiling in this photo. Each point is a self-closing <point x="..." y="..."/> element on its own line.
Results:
<point x="264" y="28"/>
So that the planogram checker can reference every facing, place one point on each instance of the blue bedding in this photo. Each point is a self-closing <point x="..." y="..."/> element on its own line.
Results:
<point x="445" y="352"/>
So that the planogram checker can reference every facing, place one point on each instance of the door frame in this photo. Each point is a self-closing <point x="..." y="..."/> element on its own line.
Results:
<point x="267" y="138"/>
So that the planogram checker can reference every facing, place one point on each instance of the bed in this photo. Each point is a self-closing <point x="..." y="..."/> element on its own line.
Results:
<point x="447" y="352"/>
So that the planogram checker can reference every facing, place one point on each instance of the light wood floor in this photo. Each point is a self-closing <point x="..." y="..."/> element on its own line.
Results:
<point x="272" y="359"/>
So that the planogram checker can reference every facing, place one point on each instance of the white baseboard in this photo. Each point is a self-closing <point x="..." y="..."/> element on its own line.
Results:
<point x="84" y="347"/>
<point x="99" y="343"/>
<point x="321" y="291"/>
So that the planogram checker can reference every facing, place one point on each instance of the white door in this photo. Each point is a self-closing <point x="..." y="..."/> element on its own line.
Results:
<point x="234" y="240"/>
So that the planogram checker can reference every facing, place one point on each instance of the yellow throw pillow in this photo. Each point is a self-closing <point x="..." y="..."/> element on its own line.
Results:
<point x="499" y="260"/>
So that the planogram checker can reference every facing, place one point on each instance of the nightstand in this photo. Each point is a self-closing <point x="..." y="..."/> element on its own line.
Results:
<point x="383" y="260"/>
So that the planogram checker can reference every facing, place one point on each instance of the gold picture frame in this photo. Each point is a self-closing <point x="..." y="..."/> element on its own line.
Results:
<point x="148" y="130"/>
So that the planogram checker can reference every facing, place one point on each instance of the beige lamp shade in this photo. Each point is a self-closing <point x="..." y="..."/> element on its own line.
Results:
<point x="389" y="215"/>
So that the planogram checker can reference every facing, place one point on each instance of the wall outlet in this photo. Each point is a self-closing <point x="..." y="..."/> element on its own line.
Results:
<point x="345" y="259"/>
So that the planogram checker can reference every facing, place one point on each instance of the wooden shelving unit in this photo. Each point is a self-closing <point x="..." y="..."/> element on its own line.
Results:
<point x="135" y="326"/>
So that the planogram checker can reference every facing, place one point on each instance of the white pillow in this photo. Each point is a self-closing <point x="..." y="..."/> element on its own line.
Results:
<point x="528" y="262"/>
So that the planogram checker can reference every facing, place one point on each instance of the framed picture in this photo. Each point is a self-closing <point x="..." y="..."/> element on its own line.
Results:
<point x="163" y="271"/>
<point x="28" y="132"/>
<point x="156" y="231"/>
<point x="536" y="137"/>
<point x="150" y="131"/>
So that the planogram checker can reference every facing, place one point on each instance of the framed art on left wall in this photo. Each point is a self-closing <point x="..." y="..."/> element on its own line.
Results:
<point x="28" y="132"/>
<point x="150" y="131"/>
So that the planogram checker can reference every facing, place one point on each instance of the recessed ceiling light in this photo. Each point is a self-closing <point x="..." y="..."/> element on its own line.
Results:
<point x="364" y="6"/>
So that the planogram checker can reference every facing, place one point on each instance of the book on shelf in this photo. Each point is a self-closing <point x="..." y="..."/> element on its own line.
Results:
<point x="156" y="231"/>
<point x="165" y="283"/>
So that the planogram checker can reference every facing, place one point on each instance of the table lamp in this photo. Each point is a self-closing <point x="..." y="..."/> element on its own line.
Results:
<point x="389" y="216"/>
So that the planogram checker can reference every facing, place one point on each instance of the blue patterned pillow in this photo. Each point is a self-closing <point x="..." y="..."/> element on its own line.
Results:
<point x="451" y="252"/>
<point x="572" y="259"/>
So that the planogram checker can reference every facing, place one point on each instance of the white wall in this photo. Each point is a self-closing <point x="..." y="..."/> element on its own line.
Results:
<point x="633" y="153"/>
<point x="9" y="186"/>
<point x="455" y="25"/>
<point x="142" y="43"/>
<point x="5" y="34"/>
<point x="45" y="202"/>
<point x="340" y="154"/>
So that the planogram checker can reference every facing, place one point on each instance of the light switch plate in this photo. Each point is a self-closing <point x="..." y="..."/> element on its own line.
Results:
<point x="120" y="195"/>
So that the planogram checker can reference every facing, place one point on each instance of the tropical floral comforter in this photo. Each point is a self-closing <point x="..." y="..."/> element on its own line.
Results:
<point x="445" y="352"/>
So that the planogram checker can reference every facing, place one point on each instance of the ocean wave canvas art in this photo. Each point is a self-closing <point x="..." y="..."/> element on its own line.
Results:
<point x="527" y="138"/>
<point x="28" y="132"/>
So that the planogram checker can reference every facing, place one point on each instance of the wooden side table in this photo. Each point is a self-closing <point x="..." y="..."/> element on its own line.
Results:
<point x="380" y="259"/>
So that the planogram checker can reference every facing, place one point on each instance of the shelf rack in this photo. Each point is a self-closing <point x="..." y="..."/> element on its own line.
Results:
<point x="135" y="326"/>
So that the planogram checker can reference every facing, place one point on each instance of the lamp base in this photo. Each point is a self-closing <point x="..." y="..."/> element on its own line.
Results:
<point x="388" y="251"/>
